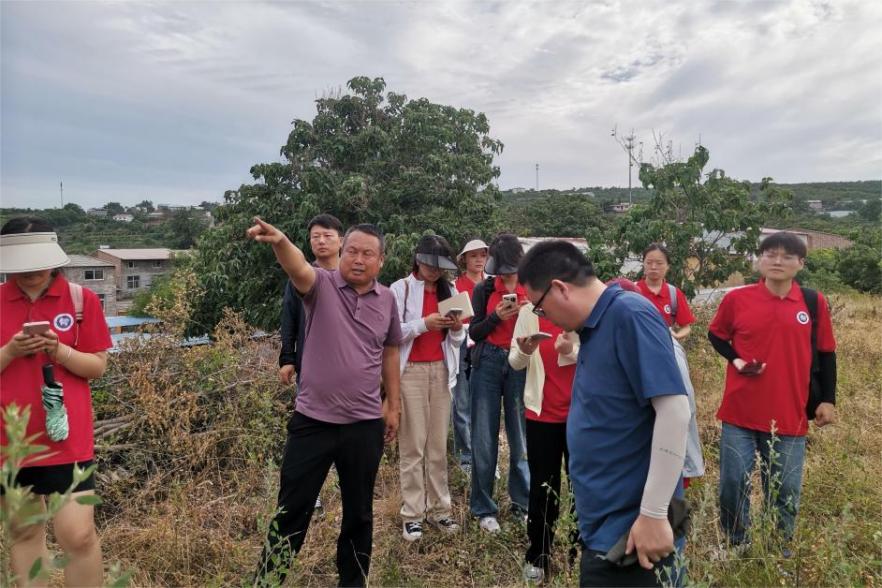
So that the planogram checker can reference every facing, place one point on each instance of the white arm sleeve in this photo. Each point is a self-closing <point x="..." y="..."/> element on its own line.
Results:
<point x="668" y="452"/>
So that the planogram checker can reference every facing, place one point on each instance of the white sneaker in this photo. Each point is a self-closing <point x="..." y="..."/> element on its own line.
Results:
<point x="533" y="575"/>
<point x="490" y="525"/>
<point x="412" y="531"/>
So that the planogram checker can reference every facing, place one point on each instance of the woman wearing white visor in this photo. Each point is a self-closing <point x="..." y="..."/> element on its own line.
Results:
<point x="429" y="365"/>
<point x="54" y="340"/>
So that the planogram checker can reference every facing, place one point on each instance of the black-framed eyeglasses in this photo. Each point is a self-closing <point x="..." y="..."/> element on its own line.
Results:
<point x="537" y="308"/>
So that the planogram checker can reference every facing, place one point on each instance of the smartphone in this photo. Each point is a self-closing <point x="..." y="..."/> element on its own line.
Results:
<point x="752" y="368"/>
<point x="454" y="313"/>
<point x="35" y="328"/>
<point x="540" y="336"/>
<point x="510" y="299"/>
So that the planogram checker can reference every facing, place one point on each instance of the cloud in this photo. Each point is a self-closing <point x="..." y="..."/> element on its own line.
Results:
<point x="180" y="99"/>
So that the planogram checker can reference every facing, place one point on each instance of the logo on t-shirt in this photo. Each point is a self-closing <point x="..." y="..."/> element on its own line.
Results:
<point x="63" y="322"/>
<point x="667" y="309"/>
<point x="803" y="317"/>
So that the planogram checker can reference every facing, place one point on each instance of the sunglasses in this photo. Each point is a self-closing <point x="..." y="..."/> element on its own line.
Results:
<point x="537" y="308"/>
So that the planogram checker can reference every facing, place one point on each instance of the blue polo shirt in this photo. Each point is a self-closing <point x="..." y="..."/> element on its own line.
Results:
<point x="626" y="358"/>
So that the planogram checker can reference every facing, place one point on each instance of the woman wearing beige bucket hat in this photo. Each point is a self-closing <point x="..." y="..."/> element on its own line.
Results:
<point x="54" y="339"/>
<point x="472" y="260"/>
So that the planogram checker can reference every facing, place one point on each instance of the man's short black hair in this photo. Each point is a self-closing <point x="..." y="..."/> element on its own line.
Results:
<point x="368" y="229"/>
<point x="789" y="242"/>
<point x="554" y="260"/>
<point x="325" y="221"/>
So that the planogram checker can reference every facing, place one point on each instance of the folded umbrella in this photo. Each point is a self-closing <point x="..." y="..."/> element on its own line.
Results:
<point x="53" y="403"/>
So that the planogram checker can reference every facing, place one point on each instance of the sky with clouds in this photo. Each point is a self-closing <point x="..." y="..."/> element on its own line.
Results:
<point x="174" y="102"/>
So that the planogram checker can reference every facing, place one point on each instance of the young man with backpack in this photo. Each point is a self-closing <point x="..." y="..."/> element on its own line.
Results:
<point x="778" y="340"/>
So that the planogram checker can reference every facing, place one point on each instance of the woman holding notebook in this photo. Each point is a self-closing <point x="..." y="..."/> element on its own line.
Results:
<point x="429" y="367"/>
<point x="549" y="355"/>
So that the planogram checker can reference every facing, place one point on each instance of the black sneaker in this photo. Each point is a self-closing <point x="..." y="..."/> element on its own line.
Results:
<point x="412" y="531"/>
<point x="447" y="524"/>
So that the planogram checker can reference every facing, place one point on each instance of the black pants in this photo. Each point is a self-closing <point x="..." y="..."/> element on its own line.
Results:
<point x="595" y="571"/>
<point x="355" y="449"/>
<point x="546" y="448"/>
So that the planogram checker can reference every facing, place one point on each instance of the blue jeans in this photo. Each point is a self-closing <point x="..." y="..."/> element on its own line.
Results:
<point x="738" y="448"/>
<point x="495" y="385"/>
<point x="461" y="411"/>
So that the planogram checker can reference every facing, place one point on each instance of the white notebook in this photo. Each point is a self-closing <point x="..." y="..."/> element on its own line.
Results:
<point x="462" y="301"/>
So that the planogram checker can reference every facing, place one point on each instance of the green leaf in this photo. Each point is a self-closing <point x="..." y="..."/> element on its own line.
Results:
<point x="35" y="569"/>
<point x="89" y="500"/>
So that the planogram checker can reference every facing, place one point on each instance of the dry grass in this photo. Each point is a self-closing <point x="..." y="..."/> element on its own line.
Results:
<point x="191" y="506"/>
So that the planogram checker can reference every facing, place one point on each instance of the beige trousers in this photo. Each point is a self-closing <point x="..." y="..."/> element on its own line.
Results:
<point x="422" y="441"/>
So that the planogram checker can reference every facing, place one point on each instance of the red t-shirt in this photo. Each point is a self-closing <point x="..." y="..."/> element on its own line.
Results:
<point x="22" y="380"/>
<point x="662" y="302"/>
<point x="502" y="334"/>
<point x="558" y="388"/>
<point x="776" y="331"/>
<point x="427" y="347"/>
<point x="465" y="284"/>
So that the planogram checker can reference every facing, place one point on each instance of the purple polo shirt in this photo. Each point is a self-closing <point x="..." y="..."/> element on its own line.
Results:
<point x="343" y="347"/>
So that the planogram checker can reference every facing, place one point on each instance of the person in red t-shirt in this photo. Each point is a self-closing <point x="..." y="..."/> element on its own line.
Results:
<point x="765" y="332"/>
<point x="429" y="357"/>
<point x="656" y="263"/>
<point x="76" y="350"/>
<point x="496" y="386"/>
<point x="674" y="308"/>
<point x="472" y="260"/>
<point x="547" y="392"/>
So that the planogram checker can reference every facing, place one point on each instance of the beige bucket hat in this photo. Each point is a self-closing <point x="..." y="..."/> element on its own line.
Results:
<point x="472" y="245"/>
<point x="30" y="252"/>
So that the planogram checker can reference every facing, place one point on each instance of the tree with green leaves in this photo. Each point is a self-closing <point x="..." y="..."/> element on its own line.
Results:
<point x="560" y="214"/>
<point x="370" y="156"/>
<point x="708" y="221"/>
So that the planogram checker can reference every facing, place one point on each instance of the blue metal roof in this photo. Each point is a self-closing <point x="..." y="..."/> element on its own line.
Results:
<point x="114" y="322"/>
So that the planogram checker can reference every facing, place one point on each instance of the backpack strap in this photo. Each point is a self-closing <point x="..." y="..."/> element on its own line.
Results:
<point x="76" y="295"/>
<point x="811" y="302"/>
<point x="672" y="293"/>
<point x="406" y="296"/>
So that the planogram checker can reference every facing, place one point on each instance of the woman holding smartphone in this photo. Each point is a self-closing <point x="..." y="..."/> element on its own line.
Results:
<point x="549" y="355"/>
<point x="74" y="345"/>
<point x="495" y="385"/>
<point x="671" y="303"/>
<point x="429" y="355"/>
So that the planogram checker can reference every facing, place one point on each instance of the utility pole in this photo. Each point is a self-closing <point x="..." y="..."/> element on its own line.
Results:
<point x="61" y="190"/>
<point x="537" y="177"/>
<point x="627" y="143"/>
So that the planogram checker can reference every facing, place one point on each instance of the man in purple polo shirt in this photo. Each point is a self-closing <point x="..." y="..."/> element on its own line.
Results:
<point x="352" y="337"/>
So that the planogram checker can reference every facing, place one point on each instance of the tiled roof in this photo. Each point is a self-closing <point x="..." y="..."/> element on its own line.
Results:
<point x="87" y="261"/>
<point x="138" y="254"/>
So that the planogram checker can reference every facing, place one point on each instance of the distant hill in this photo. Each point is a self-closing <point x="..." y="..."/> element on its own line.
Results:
<point x="834" y="195"/>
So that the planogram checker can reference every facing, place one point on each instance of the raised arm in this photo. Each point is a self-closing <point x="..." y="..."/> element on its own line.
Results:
<point x="292" y="260"/>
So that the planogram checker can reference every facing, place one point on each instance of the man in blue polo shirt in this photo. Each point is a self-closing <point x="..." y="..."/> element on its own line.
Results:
<point x="628" y="420"/>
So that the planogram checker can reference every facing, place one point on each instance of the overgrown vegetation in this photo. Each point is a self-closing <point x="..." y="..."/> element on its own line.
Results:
<point x="82" y="233"/>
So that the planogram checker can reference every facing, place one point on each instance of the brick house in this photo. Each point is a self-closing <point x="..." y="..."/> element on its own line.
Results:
<point x="96" y="275"/>
<point x="135" y="270"/>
